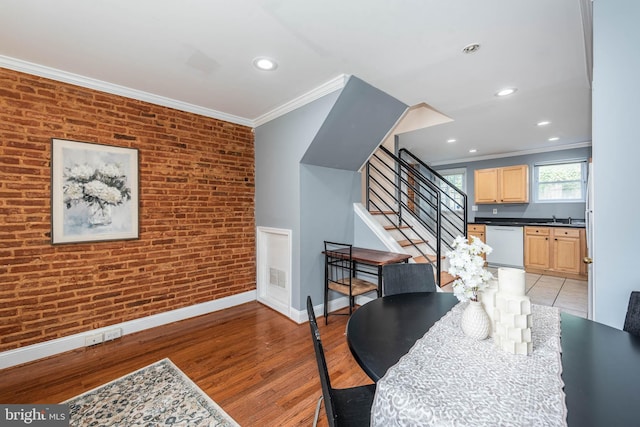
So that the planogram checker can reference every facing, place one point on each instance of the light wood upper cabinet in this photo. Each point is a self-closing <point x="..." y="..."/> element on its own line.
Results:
<point x="502" y="185"/>
<point x="485" y="184"/>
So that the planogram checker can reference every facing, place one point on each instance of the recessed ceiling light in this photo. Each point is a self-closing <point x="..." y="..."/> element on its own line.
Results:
<point x="451" y="141"/>
<point x="471" y="48"/>
<point x="506" y="92"/>
<point x="265" y="64"/>
<point x="544" y="123"/>
<point x="555" y="138"/>
<point x="473" y="150"/>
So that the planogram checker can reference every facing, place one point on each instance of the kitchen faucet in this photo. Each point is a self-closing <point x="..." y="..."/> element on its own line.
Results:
<point x="554" y="218"/>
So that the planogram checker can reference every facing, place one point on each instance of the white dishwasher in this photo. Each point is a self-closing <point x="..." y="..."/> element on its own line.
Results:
<point x="508" y="246"/>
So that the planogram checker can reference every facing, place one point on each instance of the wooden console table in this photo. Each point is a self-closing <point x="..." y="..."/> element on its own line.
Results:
<point x="372" y="258"/>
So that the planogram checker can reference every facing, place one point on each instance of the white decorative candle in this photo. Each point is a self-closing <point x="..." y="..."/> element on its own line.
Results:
<point x="512" y="313"/>
<point x="511" y="281"/>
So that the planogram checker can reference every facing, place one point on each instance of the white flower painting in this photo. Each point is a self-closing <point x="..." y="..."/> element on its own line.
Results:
<point x="94" y="192"/>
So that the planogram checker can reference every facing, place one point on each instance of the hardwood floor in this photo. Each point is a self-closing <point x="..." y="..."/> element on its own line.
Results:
<point x="255" y="363"/>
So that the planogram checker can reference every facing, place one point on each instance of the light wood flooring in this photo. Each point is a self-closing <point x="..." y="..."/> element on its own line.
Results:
<point x="255" y="363"/>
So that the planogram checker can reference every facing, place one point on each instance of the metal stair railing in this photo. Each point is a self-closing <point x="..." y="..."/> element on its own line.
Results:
<point x="415" y="198"/>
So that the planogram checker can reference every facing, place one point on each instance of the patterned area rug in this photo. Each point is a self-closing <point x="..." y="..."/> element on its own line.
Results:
<point x="156" y="395"/>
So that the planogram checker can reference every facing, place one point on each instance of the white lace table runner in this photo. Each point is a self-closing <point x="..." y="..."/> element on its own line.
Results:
<point x="448" y="379"/>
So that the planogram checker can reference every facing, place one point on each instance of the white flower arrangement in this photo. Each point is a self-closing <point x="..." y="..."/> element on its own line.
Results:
<point x="466" y="263"/>
<point x="104" y="185"/>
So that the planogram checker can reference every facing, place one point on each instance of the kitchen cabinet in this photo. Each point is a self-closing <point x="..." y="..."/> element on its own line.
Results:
<point x="477" y="230"/>
<point x="502" y="185"/>
<point x="555" y="250"/>
<point x="537" y="248"/>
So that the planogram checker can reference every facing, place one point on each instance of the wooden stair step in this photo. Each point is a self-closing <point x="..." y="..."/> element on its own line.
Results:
<point x="405" y="243"/>
<point x="446" y="278"/>
<point x="383" y="213"/>
<point x="393" y="227"/>
<point x="427" y="259"/>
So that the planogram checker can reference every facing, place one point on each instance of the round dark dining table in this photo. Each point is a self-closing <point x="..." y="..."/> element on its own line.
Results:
<point x="600" y="364"/>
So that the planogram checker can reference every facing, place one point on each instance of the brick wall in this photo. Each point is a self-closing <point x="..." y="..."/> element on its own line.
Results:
<point x="197" y="222"/>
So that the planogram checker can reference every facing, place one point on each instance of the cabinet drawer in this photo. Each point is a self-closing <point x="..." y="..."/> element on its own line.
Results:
<point x="537" y="231"/>
<point x="566" y="232"/>
<point x="476" y="228"/>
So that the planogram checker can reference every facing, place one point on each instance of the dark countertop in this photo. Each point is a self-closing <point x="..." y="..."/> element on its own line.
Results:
<point x="519" y="222"/>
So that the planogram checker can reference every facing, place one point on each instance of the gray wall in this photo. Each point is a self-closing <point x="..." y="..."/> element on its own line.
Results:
<point x="279" y="147"/>
<point x="357" y="123"/>
<point x="296" y="190"/>
<point x="616" y="154"/>
<point x="524" y="210"/>
<point x="327" y="197"/>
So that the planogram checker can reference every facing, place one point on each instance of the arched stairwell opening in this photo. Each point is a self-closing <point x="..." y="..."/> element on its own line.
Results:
<point x="421" y="210"/>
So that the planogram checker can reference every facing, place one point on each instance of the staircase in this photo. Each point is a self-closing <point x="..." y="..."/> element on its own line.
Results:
<point x="420" y="209"/>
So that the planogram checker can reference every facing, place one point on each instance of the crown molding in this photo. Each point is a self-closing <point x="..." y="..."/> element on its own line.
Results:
<point x="78" y="80"/>
<point x="513" y="154"/>
<point x="332" y="85"/>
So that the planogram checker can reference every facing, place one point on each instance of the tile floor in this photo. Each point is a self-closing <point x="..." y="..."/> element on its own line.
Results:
<point x="568" y="295"/>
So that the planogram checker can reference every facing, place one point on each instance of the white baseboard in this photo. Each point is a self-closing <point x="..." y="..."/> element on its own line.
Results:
<point x="33" y="352"/>
<point x="335" y="304"/>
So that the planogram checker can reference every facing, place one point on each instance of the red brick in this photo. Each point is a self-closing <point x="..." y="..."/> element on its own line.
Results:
<point x="197" y="178"/>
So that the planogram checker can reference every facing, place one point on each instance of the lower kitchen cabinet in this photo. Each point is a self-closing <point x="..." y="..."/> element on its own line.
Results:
<point x="537" y="248"/>
<point x="555" y="250"/>
<point x="477" y="230"/>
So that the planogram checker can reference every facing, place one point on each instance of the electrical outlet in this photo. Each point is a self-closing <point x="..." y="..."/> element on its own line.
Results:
<point x="495" y="211"/>
<point x="474" y="208"/>
<point x="113" y="334"/>
<point x="93" y="340"/>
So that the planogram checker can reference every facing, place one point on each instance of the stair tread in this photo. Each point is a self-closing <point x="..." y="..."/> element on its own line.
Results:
<point x="393" y="227"/>
<point x="383" y="213"/>
<point x="411" y="242"/>
<point x="427" y="259"/>
<point x="446" y="278"/>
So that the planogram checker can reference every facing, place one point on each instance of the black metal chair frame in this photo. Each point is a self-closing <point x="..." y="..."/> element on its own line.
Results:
<point x="338" y="259"/>
<point x="344" y="407"/>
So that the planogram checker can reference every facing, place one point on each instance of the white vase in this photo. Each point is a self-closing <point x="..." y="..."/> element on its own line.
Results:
<point x="475" y="322"/>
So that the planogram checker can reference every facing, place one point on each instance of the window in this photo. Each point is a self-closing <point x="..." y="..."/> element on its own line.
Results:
<point x="561" y="181"/>
<point x="457" y="177"/>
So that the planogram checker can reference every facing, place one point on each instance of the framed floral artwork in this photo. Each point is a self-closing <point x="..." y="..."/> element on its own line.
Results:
<point x="94" y="192"/>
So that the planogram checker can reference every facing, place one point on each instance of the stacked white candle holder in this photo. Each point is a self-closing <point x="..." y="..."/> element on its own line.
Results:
<point x="512" y="313"/>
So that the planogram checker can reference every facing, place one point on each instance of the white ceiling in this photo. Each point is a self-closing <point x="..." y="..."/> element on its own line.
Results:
<point x="198" y="54"/>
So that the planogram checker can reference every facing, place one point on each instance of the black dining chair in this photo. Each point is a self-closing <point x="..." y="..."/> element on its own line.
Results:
<point x="404" y="278"/>
<point x="346" y="406"/>
<point x="340" y="275"/>
<point x="632" y="319"/>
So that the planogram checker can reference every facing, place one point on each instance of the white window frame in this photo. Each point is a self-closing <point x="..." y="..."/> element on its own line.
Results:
<point x="583" y="181"/>
<point x="456" y="171"/>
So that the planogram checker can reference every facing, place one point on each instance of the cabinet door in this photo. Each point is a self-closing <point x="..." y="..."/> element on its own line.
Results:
<point x="514" y="184"/>
<point x="536" y="251"/>
<point x="486" y="185"/>
<point x="566" y="251"/>
<point x="477" y="234"/>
